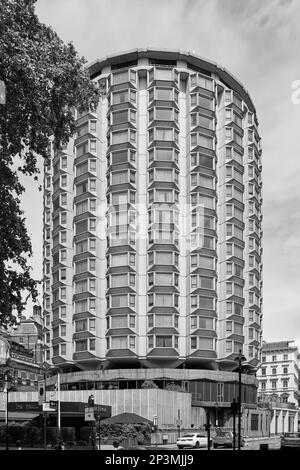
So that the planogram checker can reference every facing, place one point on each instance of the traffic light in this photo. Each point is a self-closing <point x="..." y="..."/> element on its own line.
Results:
<point x="234" y="407"/>
<point x="91" y="400"/>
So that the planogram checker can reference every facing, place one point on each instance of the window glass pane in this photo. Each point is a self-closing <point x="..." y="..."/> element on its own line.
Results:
<point x="81" y="345"/>
<point x="205" y="262"/>
<point x="206" y="323"/>
<point x="205" y="121"/>
<point x="120" y="177"/>
<point x="121" y="116"/>
<point x="163" y="134"/>
<point x="120" y="97"/>
<point x="206" y="181"/>
<point x="119" y="259"/>
<point x="206" y="282"/>
<point x="164" y="154"/>
<point x="163" y="300"/>
<point x="206" y="343"/>
<point x="119" y="301"/>
<point x="205" y="102"/>
<point x="120" y="77"/>
<point x="164" y="279"/>
<point x="119" y="198"/>
<point x="118" y="321"/>
<point x="163" y="320"/>
<point x="206" y="303"/>
<point x="119" y="137"/>
<point x="163" y="74"/>
<point x="164" y="114"/>
<point x="163" y="341"/>
<point x="164" y="196"/>
<point x="81" y="326"/>
<point x="163" y="94"/>
<point x="81" y="169"/>
<point x="119" y="342"/>
<point x="164" y="175"/>
<point x="163" y="257"/>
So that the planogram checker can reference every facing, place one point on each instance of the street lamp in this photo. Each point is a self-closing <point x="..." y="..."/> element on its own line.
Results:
<point x="8" y="378"/>
<point x="240" y="358"/>
<point x="44" y="369"/>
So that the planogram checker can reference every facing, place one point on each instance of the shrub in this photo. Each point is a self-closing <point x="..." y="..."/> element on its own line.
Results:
<point x="149" y="384"/>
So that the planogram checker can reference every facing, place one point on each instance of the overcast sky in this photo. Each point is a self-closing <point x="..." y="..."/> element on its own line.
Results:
<point x="258" y="41"/>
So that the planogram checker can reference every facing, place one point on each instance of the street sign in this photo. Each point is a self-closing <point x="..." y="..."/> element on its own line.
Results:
<point x="178" y="422"/>
<point x="89" y="413"/>
<point x="49" y="406"/>
<point x="41" y="391"/>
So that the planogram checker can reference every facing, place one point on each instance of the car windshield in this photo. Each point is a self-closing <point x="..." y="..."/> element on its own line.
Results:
<point x="188" y="435"/>
<point x="295" y="435"/>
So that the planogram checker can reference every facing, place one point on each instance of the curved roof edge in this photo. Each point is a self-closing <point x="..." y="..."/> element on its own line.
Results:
<point x="174" y="54"/>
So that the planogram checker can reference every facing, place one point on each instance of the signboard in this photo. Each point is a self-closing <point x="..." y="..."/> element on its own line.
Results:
<point x="24" y="406"/>
<point x="4" y="350"/>
<point x="41" y="391"/>
<point x="49" y="406"/>
<point x="178" y="422"/>
<point x="89" y="413"/>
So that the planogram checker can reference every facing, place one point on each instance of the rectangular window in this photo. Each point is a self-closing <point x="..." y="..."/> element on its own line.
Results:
<point x="119" y="321"/>
<point x="163" y="94"/>
<point x="206" y="323"/>
<point x="206" y="303"/>
<point x="120" y="97"/>
<point x="119" y="342"/>
<point x="119" y="280"/>
<point x="164" y="279"/>
<point x="163" y="341"/>
<point x="81" y="345"/>
<point x="118" y="301"/>
<point x="119" y="137"/>
<point x="206" y="343"/>
<point x="164" y="114"/>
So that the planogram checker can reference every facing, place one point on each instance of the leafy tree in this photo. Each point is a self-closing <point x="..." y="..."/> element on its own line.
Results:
<point x="45" y="79"/>
<point x="174" y="387"/>
<point x="149" y="384"/>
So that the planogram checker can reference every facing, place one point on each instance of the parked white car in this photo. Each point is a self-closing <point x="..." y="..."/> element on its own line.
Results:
<point x="192" y="440"/>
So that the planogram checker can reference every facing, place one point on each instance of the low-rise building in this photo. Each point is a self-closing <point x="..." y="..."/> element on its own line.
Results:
<point x="278" y="385"/>
<point x="278" y="375"/>
<point x="28" y="331"/>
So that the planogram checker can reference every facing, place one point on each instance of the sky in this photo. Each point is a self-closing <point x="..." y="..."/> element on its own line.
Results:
<point x="256" y="41"/>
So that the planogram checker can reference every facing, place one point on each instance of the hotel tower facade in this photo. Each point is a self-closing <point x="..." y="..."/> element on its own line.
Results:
<point x="152" y="221"/>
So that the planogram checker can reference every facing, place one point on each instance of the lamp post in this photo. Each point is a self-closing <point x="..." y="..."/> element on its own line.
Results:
<point x="7" y="379"/>
<point x="44" y="368"/>
<point x="240" y="358"/>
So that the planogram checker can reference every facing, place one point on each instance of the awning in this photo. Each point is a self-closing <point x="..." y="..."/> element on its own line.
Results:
<point x="18" y="416"/>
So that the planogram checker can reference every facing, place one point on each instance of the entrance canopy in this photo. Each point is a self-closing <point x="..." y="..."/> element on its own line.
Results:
<point x="127" y="418"/>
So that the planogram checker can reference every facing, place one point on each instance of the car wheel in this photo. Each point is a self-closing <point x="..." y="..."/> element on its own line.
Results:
<point x="215" y="446"/>
<point x="197" y="445"/>
<point x="180" y="447"/>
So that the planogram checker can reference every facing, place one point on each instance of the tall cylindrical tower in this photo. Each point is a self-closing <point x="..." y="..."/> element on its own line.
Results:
<point x="153" y="220"/>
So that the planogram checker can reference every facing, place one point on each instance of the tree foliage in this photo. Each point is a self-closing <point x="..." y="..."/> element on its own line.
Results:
<point x="45" y="80"/>
<point x="149" y="384"/>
